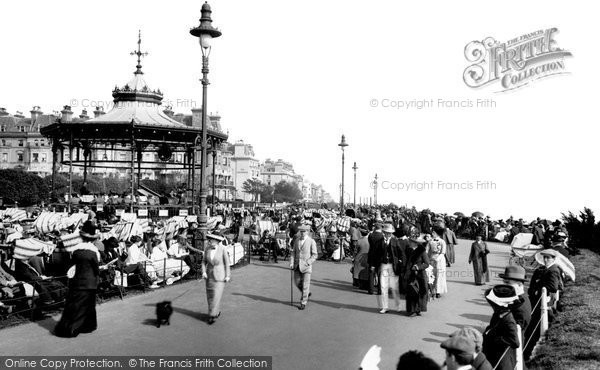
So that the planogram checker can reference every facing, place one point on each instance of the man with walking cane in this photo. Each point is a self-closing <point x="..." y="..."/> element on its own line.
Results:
<point x="304" y="254"/>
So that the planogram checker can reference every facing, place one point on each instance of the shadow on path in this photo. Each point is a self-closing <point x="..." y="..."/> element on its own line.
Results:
<point x="265" y="299"/>
<point x="472" y="316"/>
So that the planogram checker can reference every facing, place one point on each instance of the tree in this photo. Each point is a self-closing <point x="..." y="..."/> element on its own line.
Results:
<point x="287" y="192"/>
<point x="22" y="187"/>
<point x="266" y="195"/>
<point x="254" y="187"/>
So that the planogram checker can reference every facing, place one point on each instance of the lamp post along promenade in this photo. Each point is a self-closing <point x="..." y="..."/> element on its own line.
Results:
<point x="205" y="33"/>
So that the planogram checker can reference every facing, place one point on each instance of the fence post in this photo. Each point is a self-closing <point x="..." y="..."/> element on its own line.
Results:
<point x="165" y="271"/>
<point x="544" y="317"/>
<point x="519" y="365"/>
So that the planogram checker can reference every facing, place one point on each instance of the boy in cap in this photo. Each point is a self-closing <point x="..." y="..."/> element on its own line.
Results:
<point x="459" y="352"/>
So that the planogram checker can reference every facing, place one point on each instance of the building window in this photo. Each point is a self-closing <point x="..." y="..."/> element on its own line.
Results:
<point x="20" y="142"/>
<point x="36" y="143"/>
<point x="35" y="157"/>
<point x="4" y="157"/>
<point x="3" y="142"/>
<point x="3" y="128"/>
<point x="20" y="157"/>
<point x="42" y="143"/>
<point x="22" y="128"/>
<point x="44" y="157"/>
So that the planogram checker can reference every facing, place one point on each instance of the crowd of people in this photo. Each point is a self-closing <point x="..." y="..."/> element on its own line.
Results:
<point x="395" y="254"/>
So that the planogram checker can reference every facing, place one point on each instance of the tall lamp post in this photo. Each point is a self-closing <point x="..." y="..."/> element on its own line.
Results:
<point x="375" y="191"/>
<point x="342" y="145"/>
<point x="205" y="33"/>
<point x="354" y="168"/>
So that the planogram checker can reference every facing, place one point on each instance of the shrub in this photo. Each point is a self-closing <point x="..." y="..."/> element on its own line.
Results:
<point x="22" y="187"/>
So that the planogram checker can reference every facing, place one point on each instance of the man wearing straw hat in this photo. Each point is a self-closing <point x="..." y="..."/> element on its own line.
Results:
<point x="303" y="256"/>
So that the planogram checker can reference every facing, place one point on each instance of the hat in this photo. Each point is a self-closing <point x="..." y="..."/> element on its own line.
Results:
<point x="388" y="228"/>
<point x="89" y="230"/>
<point x="471" y="333"/>
<point x="304" y="228"/>
<point x="539" y="256"/>
<point x="501" y="295"/>
<point x="513" y="273"/>
<point x="459" y="344"/>
<point x="415" y="236"/>
<point x="215" y="237"/>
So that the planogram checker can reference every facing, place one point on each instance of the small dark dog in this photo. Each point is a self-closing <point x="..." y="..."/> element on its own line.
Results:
<point x="163" y="313"/>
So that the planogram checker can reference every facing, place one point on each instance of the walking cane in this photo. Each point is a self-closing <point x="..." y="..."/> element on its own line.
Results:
<point x="292" y="286"/>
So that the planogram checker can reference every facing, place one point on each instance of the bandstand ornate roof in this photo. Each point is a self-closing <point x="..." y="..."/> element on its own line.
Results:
<point x="137" y="116"/>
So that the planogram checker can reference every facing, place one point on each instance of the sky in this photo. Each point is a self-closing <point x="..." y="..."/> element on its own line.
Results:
<point x="291" y="77"/>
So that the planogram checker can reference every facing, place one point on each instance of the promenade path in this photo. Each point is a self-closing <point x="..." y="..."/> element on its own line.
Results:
<point x="337" y="328"/>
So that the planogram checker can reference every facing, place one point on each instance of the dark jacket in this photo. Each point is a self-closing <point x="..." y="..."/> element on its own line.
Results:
<point x="375" y="241"/>
<point x="416" y="257"/>
<point x="397" y="254"/>
<point x="521" y="311"/>
<point x="544" y="277"/>
<point x="449" y="237"/>
<point x="498" y="336"/>
<point x="86" y="270"/>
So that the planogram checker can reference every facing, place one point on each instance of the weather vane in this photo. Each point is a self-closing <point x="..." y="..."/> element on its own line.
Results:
<point x="139" y="54"/>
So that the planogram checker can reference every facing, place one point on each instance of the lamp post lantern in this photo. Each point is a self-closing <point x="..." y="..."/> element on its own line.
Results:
<point x="342" y="145"/>
<point x="205" y="33"/>
<point x="355" y="168"/>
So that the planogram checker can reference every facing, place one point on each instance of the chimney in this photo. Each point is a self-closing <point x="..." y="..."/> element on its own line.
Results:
<point x="197" y="117"/>
<point x="67" y="114"/>
<point x="84" y="116"/>
<point x="19" y="115"/>
<point x="3" y="112"/>
<point x="35" y="113"/>
<point x="99" y="111"/>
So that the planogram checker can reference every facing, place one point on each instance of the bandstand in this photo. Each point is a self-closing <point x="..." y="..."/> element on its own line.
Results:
<point x="135" y="125"/>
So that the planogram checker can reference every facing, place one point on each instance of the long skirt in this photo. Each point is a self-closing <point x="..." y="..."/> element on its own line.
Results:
<point x="441" y="285"/>
<point x="416" y="301"/>
<point x="79" y="315"/>
<point x="214" y="293"/>
<point x="450" y="253"/>
<point x="481" y="276"/>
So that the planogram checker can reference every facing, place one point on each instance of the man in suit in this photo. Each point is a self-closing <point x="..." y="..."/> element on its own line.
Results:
<point x="515" y="276"/>
<point x="375" y="239"/>
<point x="389" y="257"/>
<point x="303" y="256"/>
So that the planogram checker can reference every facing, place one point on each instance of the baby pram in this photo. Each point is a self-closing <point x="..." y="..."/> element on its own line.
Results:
<point x="522" y="252"/>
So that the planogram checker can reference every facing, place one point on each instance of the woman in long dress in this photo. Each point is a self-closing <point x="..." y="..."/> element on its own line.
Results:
<point x="216" y="271"/>
<point x="437" y="258"/>
<point x="415" y="278"/>
<point x="478" y="257"/>
<point x="79" y="315"/>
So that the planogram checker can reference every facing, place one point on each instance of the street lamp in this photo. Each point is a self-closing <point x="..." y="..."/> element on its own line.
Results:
<point x="354" y="168"/>
<point x="375" y="191"/>
<point x="342" y="145"/>
<point x="205" y="33"/>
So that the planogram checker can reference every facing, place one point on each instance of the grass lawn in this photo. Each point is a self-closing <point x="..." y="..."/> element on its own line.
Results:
<point x="573" y="341"/>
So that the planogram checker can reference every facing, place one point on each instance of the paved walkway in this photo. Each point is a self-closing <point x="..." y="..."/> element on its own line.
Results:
<point x="334" y="332"/>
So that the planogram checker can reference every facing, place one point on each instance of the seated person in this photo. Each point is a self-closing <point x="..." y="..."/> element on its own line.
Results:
<point x="31" y="271"/>
<point x="134" y="263"/>
<point x="332" y="243"/>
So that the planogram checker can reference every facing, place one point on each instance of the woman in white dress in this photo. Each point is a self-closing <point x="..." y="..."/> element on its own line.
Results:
<point x="437" y="258"/>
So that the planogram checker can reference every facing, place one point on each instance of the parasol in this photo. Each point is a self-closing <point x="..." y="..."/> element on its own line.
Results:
<point x="478" y="214"/>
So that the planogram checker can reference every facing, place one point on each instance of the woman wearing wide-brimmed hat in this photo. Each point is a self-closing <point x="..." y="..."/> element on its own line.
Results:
<point x="79" y="315"/>
<point x="415" y="278"/>
<point x="501" y="334"/>
<point x="217" y="272"/>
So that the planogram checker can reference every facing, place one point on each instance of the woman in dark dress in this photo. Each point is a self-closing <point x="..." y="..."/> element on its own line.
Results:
<point x="501" y="334"/>
<point x="415" y="278"/>
<point x="478" y="257"/>
<point x="79" y="315"/>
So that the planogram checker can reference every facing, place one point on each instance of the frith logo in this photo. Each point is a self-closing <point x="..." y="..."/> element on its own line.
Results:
<point x="514" y="63"/>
